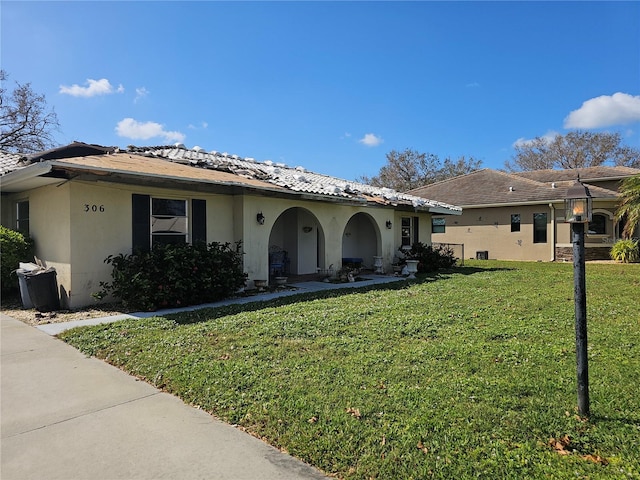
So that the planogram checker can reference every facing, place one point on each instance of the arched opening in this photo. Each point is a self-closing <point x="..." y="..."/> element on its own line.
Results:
<point x="296" y="244"/>
<point x="361" y="240"/>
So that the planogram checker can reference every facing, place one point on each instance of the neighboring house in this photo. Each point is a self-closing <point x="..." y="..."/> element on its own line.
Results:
<point x="82" y="203"/>
<point x="520" y="216"/>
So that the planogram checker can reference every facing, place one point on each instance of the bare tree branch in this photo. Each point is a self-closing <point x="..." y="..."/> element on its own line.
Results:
<point x="577" y="149"/>
<point x="26" y="125"/>
<point x="411" y="169"/>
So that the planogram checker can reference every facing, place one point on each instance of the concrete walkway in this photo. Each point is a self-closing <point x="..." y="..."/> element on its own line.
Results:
<point x="67" y="416"/>
<point x="297" y="289"/>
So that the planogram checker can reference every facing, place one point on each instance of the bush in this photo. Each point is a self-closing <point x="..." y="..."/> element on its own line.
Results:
<point x="430" y="259"/>
<point x="625" y="251"/>
<point x="175" y="275"/>
<point x="14" y="248"/>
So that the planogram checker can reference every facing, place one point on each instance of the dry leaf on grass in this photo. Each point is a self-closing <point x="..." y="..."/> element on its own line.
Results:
<point x="354" y="412"/>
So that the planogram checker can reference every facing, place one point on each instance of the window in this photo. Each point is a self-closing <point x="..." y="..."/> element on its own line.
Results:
<point x="539" y="228"/>
<point x="165" y="220"/>
<point x="22" y="217"/>
<point x="598" y="225"/>
<point x="515" y="222"/>
<point x="168" y="221"/>
<point x="437" y="225"/>
<point x="409" y="231"/>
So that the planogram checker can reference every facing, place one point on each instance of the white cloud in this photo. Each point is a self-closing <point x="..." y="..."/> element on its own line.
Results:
<point x="141" y="92"/>
<point x="93" y="89"/>
<point x="473" y="85"/>
<point x="203" y="126"/>
<point x="604" y="111"/>
<point x="371" y="140"/>
<point x="547" y="137"/>
<point x="130" y="128"/>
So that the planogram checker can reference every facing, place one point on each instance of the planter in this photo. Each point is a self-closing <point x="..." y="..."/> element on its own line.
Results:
<point x="412" y="268"/>
<point x="377" y="262"/>
<point x="281" y="281"/>
<point x="260" y="284"/>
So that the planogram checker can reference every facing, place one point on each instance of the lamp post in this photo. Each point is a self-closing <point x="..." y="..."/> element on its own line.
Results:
<point x="578" y="211"/>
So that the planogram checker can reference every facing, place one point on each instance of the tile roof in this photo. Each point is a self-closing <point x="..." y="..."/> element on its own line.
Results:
<point x="10" y="161"/>
<point x="492" y="187"/>
<point x="296" y="179"/>
<point x="225" y="168"/>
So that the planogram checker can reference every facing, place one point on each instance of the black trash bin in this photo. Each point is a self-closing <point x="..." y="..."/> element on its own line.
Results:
<point x="43" y="290"/>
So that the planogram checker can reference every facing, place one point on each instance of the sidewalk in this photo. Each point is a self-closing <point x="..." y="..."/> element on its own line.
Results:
<point x="66" y="416"/>
<point x="298" y="288"/>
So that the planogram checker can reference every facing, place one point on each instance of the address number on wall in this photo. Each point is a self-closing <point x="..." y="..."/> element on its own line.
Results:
<point x="93" y="208"/>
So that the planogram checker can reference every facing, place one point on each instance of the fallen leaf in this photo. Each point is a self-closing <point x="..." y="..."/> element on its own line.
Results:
<point x="354" y="412"/>
<point x="559" y="445"/>
<point x="313" y="420"/>
<point x="421" y="447"/>
<point x="596" y="459"/>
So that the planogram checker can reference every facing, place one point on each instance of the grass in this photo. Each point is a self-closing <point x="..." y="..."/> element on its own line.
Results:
<point x="470" y="373"/>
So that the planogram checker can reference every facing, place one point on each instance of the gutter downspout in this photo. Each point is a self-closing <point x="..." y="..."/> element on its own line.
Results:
<point x="553" y="232"/>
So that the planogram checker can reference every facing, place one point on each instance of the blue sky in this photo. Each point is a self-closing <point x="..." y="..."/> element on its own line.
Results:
<point x="331" y="86"/>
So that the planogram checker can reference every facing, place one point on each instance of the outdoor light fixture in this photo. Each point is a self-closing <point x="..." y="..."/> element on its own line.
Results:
<point x="578" y="204"/>
<point x="260" y="218"/>
<point x="578" y="212"/>
<point x="389" y="224"/>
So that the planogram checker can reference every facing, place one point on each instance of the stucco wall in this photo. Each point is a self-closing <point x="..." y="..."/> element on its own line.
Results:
<point x="76" y="225"/>
<point x="489" y="229"/>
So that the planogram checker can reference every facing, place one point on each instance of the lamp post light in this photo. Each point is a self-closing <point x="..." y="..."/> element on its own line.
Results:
<point x="578" y="211"/>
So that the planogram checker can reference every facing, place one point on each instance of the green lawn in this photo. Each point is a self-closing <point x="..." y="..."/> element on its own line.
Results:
<point x="470" y="373"/>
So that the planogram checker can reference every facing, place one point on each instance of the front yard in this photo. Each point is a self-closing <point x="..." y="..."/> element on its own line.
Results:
<point x="470" y="373"/>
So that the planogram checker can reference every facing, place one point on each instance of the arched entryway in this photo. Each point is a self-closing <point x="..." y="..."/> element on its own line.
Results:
<point x="298" y="233"/>
<point x="361" y="240"/>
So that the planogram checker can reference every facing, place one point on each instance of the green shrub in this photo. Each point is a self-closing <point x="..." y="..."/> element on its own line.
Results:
<point x="431" y="259"/>
<point x="14" y="248"/>
<point x="625" y="251"/>
<point x="175" y="275"/>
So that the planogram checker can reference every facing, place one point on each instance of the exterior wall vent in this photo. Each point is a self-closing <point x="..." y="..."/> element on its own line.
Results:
<point x="482" y="255"/>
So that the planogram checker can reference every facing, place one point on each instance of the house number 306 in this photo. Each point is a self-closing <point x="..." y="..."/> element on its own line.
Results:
<point x="93" y="208"/>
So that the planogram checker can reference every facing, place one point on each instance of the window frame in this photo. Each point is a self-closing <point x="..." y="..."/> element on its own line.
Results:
<point x="22" y="223"/>
<point x="516" y="220"/>
<point x="539" y="232"/>
<point x="593" y="223"/>
<point x="438" y="225"/>
<point x="408" y="231"/>
<point x="142" y="229"/>
<point x="169" y="218"/>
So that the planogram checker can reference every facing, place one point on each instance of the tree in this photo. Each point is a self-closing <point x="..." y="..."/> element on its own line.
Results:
<point x="629" y="207"/>
<point x="26" y="125"/>
<point x="577" y="149"/>
<point x="411" y="169"/>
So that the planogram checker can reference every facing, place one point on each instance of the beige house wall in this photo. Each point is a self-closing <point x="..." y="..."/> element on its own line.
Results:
<point x="488" y="229"/>
<point x="76" y="225"/>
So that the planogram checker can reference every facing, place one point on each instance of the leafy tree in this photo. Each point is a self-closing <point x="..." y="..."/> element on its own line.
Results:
<point x="411" y="169"/>
<point x="26" y="125"/>
<point x="629" y="207"/>
<point x="577" y="149"/>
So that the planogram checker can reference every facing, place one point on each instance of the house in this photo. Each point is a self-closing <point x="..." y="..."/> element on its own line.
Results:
<point x="520" y="216"/>
<point x="81" y="203"/>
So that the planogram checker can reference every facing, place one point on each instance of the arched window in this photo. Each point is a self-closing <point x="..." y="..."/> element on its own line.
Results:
<point x="598" y="224"/>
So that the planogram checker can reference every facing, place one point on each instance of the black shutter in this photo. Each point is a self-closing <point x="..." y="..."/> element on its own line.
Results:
<point x="141" y="215"/>
<point x="198" y="221"/>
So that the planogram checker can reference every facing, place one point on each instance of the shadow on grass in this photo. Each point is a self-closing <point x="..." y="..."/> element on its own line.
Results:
<point x="210" y="313"/>
<point x="623" y="420"/>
